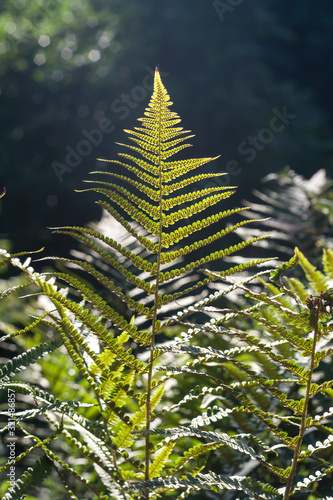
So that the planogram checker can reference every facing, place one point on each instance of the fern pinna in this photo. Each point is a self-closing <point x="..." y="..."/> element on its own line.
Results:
<point x="151" y="196"/>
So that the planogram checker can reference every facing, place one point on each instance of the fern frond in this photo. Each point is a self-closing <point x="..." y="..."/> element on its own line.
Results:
<point x="30" y="479"/>
<point x="170" y="256"/>
<point x="146" y="243"/>
<point x="216" y="437"/>
<point x="199" y="482"/>
<point x="328" y="262"/>
<point x="285" y="266"/>
<point x="27" y="329"/>
<point x="160" y="459"/>
<point x="317" y="476"/>
<point x="103" y="281"/>
<point x="22" y="361"/>
<point x="320" y="445"/>
<point x="140" y="263"/>
<point x="315" y="277"/>
<point x="90" y="321"/>
<point x="70" y="470"/>
<point x="65" y="407"/>
<point x="126" y="433"/>
<point x="12" y="290"/>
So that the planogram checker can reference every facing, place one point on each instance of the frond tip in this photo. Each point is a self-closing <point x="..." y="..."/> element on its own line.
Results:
<point x="153" y="177"/>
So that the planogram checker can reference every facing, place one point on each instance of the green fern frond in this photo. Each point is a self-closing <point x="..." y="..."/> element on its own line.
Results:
<point x="327" y="261"/>
<point x="6" y="257"/>
<point x="317" y="476"/>
<point x="285" y="266"/>
<point x="22" y="361"/>
<point x="91" y="322"/>
<point x="216" y="437"/>
<point x="103" y="281"/>
<point x="12" y="290"/>
<point x="126" y="434"/>
<point x="315" y="277"/>
<point x="65" y="407"/>
<point x="194" y="453"/>
<point x="297" y="288"/>
<point x="70" y="470"/>
<point x="27" y="329"/>
<point x="140" y="263"/>
<point x="208" y="482"/>
<point x="31" y="478"/>
<point x="160" y="459"/>
<point x="320" y="445"/>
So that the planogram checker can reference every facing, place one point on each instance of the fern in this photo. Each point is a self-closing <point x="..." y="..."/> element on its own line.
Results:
<point x="33" y="477"/>
<point x="300" y="210"/>
<point x="28" y="357"/>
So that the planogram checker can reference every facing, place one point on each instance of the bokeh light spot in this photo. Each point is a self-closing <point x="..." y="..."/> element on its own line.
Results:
<point x="104" y="41"/>
<point x="44" y="40"/>
<point x="70" y="40"/>
<point x="4" y="47"/>
<point x="10" y="27"/>
<point x="66" y="53"/>
<point x="94" y="55"/>
<point x="80" y="60"/>
<point x="39" y="59"/>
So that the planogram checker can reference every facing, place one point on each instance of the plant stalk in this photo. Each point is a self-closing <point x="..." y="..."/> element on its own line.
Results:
<point x="305" y="410"/>
<point x="154" y="321"/>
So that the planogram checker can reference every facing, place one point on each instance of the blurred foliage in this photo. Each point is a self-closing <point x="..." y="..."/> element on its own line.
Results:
<point x="67" y="65"/>
<point x="299" y="212"/>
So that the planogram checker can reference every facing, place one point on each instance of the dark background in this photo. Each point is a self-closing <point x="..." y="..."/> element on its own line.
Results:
<point x="68" y="67"/>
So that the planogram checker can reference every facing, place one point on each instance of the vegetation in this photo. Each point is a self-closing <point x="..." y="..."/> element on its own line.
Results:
<point x="144" y="372"/>
<point x="66" y="66"/>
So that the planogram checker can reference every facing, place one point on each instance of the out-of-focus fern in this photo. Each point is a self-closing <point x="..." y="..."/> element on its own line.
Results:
<point x="300" y="211"/>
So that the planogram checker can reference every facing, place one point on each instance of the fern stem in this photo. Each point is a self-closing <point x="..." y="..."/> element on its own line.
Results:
<point x="154" y="320"/>
<point x="151" y="361"/>
<point x="297" y="450"/>
<point x="150" y="378"/>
